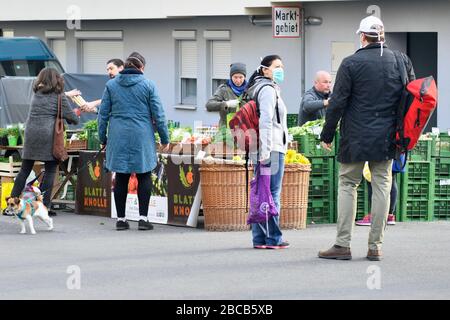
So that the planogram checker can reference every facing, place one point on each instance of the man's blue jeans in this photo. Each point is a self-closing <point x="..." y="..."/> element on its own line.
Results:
<point x="270" y="233"/>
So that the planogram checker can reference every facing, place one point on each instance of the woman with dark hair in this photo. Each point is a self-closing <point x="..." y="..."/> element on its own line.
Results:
<point x="39" y="130"/>
<point x="130" y="106"/>
<point x="272" y="143"/>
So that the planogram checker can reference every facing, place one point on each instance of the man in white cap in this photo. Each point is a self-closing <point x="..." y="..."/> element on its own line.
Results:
<point x="365" y="99"/>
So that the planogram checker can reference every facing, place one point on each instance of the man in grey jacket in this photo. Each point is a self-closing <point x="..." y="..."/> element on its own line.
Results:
<point x="315" y="100"/>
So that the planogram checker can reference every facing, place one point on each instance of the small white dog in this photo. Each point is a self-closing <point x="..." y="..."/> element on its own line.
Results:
<point x="26" y="209"/>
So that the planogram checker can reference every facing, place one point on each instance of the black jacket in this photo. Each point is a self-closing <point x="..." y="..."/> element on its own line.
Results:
<point x="365" y="98"/>
<point x="311" y="107"/>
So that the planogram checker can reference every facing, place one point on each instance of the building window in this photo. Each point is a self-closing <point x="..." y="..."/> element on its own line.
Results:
<point x="188" y="72"/>
<point x="7" y="33"/>
<point x="220" y="62"/>
<point x="95" y="54"/>
<point x="188" y="91"/>
<point x="59" y="49"/>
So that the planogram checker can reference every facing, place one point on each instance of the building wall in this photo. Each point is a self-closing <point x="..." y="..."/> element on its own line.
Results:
<point x="153" y="38"/>
<point x="340" y="22"/>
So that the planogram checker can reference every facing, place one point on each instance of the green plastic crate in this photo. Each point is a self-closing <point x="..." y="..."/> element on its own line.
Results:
<point x="419" y="172"/>
<point x="292" y="120"/>
<point x="309" y="145"/>
<point x="417" y="192"/>
<point x="442" y="177"/>
<point x="93" y="140"/>
<point x="441" y="146"/>
<point x="417" y="210"/>
<point x="321" y="211"/>
<point x="442" y="209"/>
<point x="322" y="167"/>
<point x="362" y="203"/>
<point x="320" y="188"/>
<point x="442" y="167"/>
<point x="422" y="150"/>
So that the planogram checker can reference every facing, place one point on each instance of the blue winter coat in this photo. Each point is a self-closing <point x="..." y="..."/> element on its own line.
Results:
<point x="130" y="105"/>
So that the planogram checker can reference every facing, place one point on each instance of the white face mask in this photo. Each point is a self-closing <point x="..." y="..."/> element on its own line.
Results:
<point x="361" y="41"/>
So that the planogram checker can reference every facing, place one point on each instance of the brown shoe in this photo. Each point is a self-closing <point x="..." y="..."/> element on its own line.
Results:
<point x="336" y="252"/>
<point x="374" y="255"/>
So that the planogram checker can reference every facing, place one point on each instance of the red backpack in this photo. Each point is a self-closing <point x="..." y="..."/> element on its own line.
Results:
<point x="418" y="102"/>
<point x="245" y="123"/>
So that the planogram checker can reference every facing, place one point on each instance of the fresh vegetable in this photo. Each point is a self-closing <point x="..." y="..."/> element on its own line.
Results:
<point x="91" y="125"/>
<point x="293" y="157"/>
<point x="309" y="127"/>
<point x="224" y="136"/>
<point x="180" y="134"/>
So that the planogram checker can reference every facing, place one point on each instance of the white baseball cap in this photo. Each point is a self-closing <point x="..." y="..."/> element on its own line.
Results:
<point x="371" y="24"/>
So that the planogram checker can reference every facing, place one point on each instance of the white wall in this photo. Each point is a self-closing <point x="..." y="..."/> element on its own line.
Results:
<point x="25" y="10"/>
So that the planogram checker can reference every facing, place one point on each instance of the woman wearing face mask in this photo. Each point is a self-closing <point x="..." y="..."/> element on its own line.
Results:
<point x="226" y="98"/>
<point x="272" y="142"/>
<point x="130" y="105"/>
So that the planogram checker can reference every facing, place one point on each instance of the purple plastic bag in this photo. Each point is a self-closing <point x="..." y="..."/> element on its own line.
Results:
<point x="262" y="206"/>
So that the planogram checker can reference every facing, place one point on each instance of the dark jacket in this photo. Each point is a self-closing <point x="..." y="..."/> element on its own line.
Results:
<point x="365" y="98"/>
<point x="218" y="102"/>
<point x="40" y="125"/>
<point x="311" y="107"/>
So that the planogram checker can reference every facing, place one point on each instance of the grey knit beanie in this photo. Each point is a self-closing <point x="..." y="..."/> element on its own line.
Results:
<point x="238" y="68"/>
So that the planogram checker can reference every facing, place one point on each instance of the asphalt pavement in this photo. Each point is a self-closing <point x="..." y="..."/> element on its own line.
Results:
<point x="85" y="258"/>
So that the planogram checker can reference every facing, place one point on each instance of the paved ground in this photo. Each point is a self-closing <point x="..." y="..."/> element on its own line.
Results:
<point x="180" y="263"/>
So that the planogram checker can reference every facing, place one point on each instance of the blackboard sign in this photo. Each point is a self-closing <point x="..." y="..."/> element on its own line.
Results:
<point x="93" y="194"/>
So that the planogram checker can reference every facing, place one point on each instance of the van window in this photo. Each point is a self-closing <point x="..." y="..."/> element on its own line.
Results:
<point x="26" y="68"/>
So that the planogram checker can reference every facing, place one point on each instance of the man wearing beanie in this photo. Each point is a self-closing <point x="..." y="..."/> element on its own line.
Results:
<point x="228" y="96"/>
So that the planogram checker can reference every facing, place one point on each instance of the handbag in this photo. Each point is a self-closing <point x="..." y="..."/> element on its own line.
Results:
<point x="59" y="151"/>
<point x="262" y="206"/>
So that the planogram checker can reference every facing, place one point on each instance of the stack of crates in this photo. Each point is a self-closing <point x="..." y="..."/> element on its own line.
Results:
<point x="321" y="197"/>
<point x="417" y="184"/>
<point x="441" y="163"/>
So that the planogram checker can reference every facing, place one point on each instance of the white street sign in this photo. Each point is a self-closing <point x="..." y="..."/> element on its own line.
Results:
<point x="286" y="22"/>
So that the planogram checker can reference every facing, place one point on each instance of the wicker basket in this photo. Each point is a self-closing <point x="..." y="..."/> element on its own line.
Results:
<point x="294" y="196"/>
<point x="76" y="145"/>
<point x="224" y="197"/>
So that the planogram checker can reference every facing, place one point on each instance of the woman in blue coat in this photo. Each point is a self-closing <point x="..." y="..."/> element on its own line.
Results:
<point x="130" y="108"/>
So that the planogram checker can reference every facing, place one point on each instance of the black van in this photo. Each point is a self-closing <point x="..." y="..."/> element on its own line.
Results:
<point x="26" y="57"/>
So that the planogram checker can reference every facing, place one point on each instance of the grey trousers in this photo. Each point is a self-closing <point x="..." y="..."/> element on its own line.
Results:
<point x="350" y="175"/>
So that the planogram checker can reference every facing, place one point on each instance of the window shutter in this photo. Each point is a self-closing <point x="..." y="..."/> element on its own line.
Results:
<point x="97" y="52"/>
<point x="221" y="59"/>
<point x="188" y="59"/>
<point x="59" y="49"/>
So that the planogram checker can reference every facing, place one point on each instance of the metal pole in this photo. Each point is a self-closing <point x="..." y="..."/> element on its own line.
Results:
<point x="303" y="58"/>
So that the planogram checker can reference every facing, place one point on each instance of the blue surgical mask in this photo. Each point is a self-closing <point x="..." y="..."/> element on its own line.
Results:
<point x="278" y="75"/>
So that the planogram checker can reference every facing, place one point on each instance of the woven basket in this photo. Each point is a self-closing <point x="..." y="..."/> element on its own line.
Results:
<point x="224" y="197"/>
<point x="77" y="145"/>
<point x="294" y="196"/>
